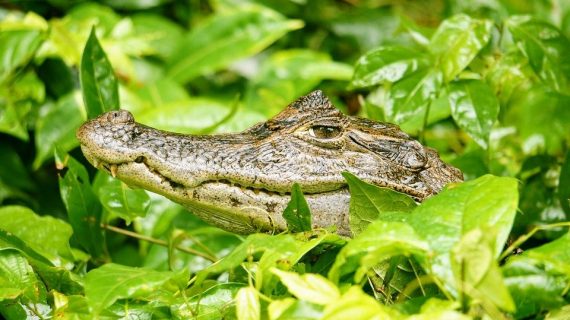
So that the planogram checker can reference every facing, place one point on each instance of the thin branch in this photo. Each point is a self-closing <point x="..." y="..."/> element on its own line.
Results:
<point x="522" y="239"/>
<point x="158" y="242"/>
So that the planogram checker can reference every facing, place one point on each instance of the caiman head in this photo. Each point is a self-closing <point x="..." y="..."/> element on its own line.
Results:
<point x="242" y="181"/>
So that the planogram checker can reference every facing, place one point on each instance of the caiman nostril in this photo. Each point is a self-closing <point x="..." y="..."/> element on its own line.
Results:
<point x="120" y="116"/>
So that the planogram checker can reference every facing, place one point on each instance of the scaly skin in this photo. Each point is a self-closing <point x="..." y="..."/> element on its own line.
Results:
<point x="241" y="182"/>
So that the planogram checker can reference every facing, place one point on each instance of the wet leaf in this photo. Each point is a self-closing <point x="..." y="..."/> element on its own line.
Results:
<point x="98" y="81"/>
<point x="545" y="47"/>
<point x="457" y="41"/>
<point x="83" y="208"/>
<point x="226" y="37"/>
<point x="411" y="96"/>
<point x="117" y="198"/>
<point x="297" y="213"/>
<point x="474" y="107"/>
<point x="368" y="202"/>
<point x="386" y="64"/>
<point x="45" y="235"/>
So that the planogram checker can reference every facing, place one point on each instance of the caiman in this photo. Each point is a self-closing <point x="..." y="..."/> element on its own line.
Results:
<point x="241" y="182"/>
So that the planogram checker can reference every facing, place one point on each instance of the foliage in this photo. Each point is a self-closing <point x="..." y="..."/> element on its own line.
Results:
<point x="486" y="83"/>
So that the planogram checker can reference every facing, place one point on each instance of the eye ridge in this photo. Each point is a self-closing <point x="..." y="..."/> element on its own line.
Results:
<point x="324" y="132"/>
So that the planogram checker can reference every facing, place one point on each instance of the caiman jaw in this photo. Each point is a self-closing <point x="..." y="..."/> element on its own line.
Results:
<point x="241" y="182"/>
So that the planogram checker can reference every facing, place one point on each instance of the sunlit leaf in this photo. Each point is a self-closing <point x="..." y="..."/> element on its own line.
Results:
<point x="355" y="304"/>
<point x="457" y="41"/>
<point x="107" y="284"/>
<point x="98" y="81"/>
<point x="247" y="304"/>
<point x="18" y="278"/>
<point x="309" y="287"/>
<point x="386" y="64"/>
<point x="474" y="107"/>
<point x="297" y="213"/>
<point x="226" y="37"/>
<point x="545" y="47"/>
<point x="45" y="235"/>
<point x="368" y="202"/>
<point x="17" y="47"/>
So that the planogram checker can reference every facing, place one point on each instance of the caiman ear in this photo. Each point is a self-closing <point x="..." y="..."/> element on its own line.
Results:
<point x="311" y="102"/>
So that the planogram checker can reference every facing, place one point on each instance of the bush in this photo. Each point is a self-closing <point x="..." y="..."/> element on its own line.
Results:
<point x="486" y="83"/>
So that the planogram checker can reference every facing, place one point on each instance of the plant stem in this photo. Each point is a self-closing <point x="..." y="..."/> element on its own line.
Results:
<point x="157" y="241"/>
<point x="522" y="239"/>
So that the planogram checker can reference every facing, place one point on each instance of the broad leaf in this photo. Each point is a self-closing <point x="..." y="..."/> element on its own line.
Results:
<point x="17" y="278"/>
<point x="107" y="284"/>
<point x="411" y="96"/>
<point x="378" y="242"/>
<point x="368" y="202"/>
<point x="477" y="273"/>
<point x="45" y="235"/>
<point x="538" y="279"/>
<point x="355" y="304"/>
<point x="98" y="81"/>
<point x="545" y="47"/>
<point x="457" y="41"/>
<point x="487" y="203"/>
<point x="288" y="74"/>
<point x="247" y="304"/>
<point x="17" y="48"/>
<point x="226" y="37"/>
<point x="83" y="208"/>
<point x="297" y="213"/>
<point x="313" y="288"/>
<point x="57" y="127"/>
<point x="117" y="198"/>
<point x="474" y="107"/>
<point x="386" y="65"/>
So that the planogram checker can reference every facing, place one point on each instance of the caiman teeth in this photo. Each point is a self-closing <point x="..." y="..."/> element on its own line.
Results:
<point x="113" y="169"/>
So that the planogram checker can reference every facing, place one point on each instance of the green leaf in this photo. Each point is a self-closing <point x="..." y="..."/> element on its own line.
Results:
<point x="247" y="304"/>
<point x="297" y="213"/>
<point x="208" y="302"/>
<point x="486" y="203"/>
<point x="368" y="202"/>
<point x="117" y="198"/>
<point x="313" y="288"/>
<point x="83" y="208"/>
<point x="17" y="48"/>
<point x="545" y="47"/>
<point x="17" y="278"/>
<point x="474" y="108"/>
<point x="379" y="241"/>
<point x="411" y="96"/>
<point x="564" y="185"/>
<point x="111" y="282"/>
<point x="193" y="115"/>
<point x="163" y="34"/>
<point x="538" y="278"/>
<point x="45" y="235"/>
<point x="10" y="121"/>
<point x="355" y="304"/>
<point x="57" y="127"/>
<point x="477" y="273"/>
<point x="13" y="171"/>
<point x="457" y="41"/>
<point x="226" y="37"/>
<point x="98" y="81"/>
<point x="386" y="65"/>
<point x="288" y="74"/>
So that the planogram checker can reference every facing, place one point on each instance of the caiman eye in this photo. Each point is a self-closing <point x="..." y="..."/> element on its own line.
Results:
<point x="324" y="132"/>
